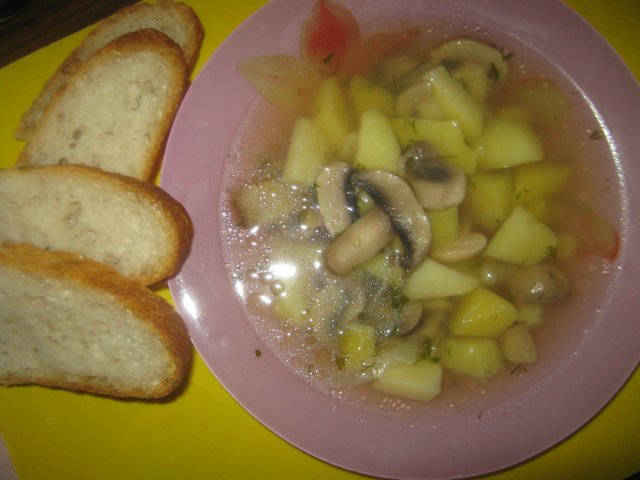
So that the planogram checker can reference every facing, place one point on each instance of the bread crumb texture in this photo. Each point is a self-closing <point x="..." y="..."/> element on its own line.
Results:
<point x="176" y="20"/>
<point x="131" y="225"/>
<point x="116" y="110"/>
<point x="73" y="323"/>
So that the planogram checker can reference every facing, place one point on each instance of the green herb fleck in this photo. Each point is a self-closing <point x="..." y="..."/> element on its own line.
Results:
<point x="493" y="73"/>
<point x="518" y="370"/>
<point x="367" y="366"/>
<point x="521" y="191"/>
<point x="394" y="85"/>
<point x="506" y="54"/>
<point x="464" y="84"/>
<point x="596" y="135"/>
<point x="427" y="350"/>
<point x="412" y="124"/>
<point x="327" y="60"/>
<point x="552" y="251"/>
<point x="398" y="300"/>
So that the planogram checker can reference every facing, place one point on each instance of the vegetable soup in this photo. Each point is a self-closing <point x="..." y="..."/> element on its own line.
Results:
<point x="410" y="212"/>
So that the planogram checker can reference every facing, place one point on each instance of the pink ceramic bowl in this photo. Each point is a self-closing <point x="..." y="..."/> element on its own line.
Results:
<point x="595" y="349"/>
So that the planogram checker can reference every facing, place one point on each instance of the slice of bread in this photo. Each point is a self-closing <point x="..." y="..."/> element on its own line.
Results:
<point x="116" y="110"/>
<point x="176" y="20"/>
<point x="133" y="226"/>
<point x="77" y="324"/>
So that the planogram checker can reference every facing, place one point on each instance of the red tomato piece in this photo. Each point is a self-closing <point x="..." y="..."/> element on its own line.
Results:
<point x="330" y="36"/>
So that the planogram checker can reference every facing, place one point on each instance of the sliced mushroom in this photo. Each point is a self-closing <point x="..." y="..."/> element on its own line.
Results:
<point x="359" y="242"/>
<point x="436" y="184"/>
<point x="418" y="101"/>
<point x="335" y="198"/>
<point x="413" y="76"/>
<point x="460" y="51"/>
<point x="337" y="302"/>
<point x="407" y="216"/>
<point x="463" y="248"/>
<point x="540" y="284"/>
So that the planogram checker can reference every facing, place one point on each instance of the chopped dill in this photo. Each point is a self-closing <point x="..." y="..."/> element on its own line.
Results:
<point x="518" y="370"/>
<point x="412" y="124"/>
<point x="327" y="60"/>
<point x="493" y="73"/>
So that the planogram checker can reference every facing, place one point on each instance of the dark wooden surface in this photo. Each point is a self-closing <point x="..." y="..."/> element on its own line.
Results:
<point x="27" y="25"/>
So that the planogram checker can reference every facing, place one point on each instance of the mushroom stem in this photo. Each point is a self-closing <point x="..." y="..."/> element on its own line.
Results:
<point x="407" y="216"/>
<point x="465" y="247"/>
<point x="359" y="242"/>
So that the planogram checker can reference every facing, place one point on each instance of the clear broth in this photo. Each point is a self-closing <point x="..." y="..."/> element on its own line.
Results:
<point x="261" y="142"/>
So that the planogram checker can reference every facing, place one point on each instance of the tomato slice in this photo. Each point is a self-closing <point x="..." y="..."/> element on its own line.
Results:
<point x="330" y="36"/>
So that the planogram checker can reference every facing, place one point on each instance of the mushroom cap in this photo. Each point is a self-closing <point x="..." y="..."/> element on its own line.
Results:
<point x="436" y="183"/>
<point x="407" y="216"/>
<point x="336" y="201"/>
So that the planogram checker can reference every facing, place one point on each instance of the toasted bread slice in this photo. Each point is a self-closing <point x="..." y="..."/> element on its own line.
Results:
<point x="77" y="324"/>
<point x="176" y="20"/>
<point x="116" y="110"/>
<point x="133" y="226"/>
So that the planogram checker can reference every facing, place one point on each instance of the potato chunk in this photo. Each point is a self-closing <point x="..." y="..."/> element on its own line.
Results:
<point x="308" y="152"/>
<point x="482" y="313"/>
<point x="518" y="345"/>
<point x="477" y="357"/>
<point x="434" y="280"/>
<point x="508" y="142"/>
<point x="377" y="147"/>
<point x="421" y="381"/>
<point x="522" y="239"/>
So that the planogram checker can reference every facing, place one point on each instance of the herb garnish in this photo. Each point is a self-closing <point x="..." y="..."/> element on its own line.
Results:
<point x="493" y="73"/>
<point x="412" y="124"/>
<point x="327" y="60"/>
<point x="519" y="370"/>
<point x="596" y="135"/>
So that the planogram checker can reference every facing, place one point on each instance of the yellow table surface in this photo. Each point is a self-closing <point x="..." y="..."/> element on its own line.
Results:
<point x="204" y="433"/>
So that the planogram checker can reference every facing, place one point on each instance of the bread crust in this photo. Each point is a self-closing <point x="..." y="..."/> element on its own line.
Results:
<point x="136" y="15"/>
<point x="145" y="305"/>
<point x="128" y="45"/>
<point x="179" y="227"/>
